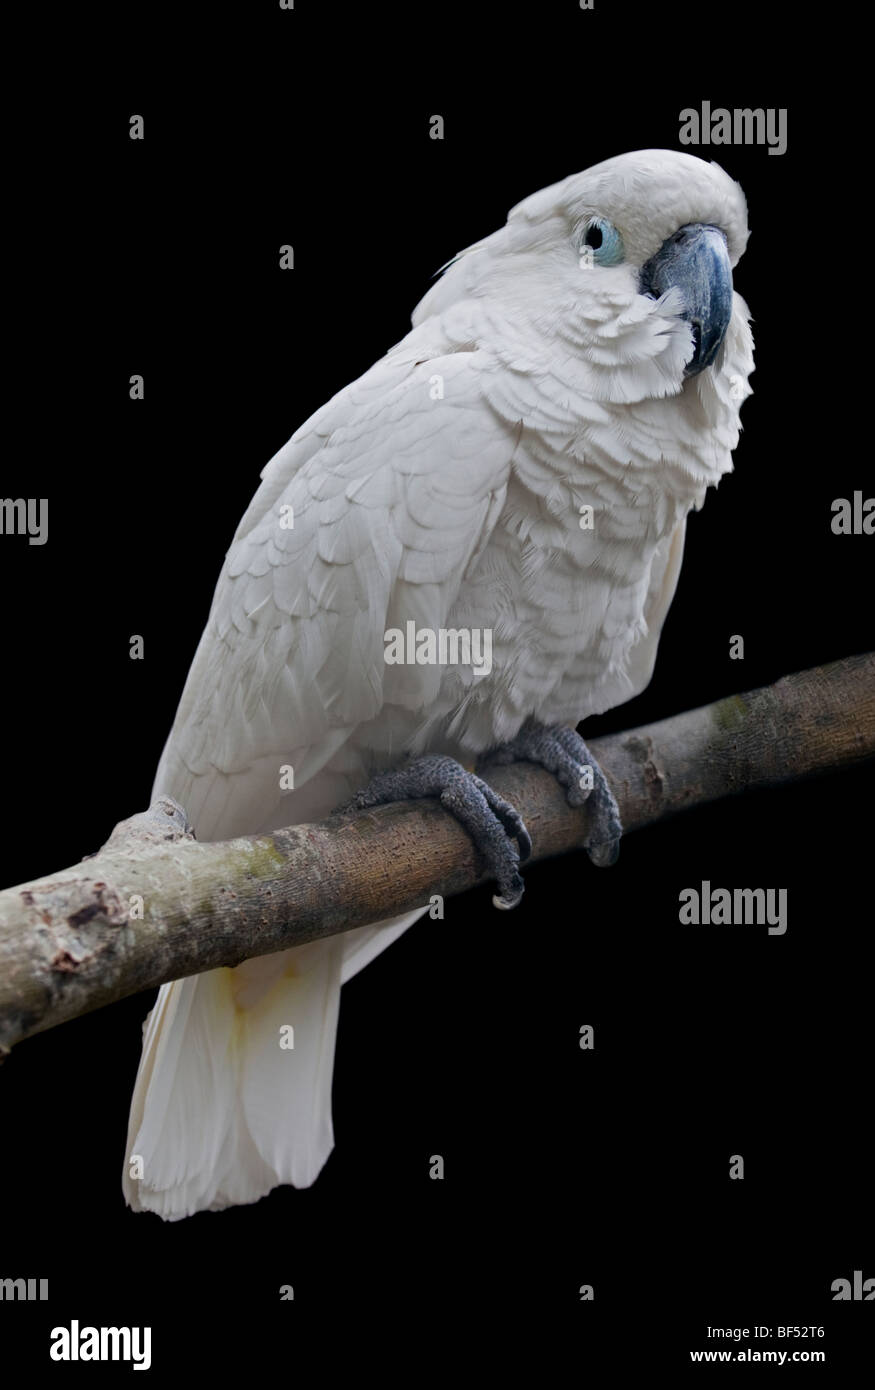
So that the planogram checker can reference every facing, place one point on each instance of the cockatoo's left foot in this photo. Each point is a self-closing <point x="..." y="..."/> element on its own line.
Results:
<point x="494" y="825"/>
<point x="563" y="752"/>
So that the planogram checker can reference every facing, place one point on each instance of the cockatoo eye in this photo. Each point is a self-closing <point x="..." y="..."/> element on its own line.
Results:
<point x="604" y="241"/>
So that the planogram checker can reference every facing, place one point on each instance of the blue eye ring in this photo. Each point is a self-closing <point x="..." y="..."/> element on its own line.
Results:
<point x="603" y="241"/>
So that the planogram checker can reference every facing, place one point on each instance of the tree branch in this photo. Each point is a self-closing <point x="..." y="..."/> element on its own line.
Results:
<point x="73" y="942"/>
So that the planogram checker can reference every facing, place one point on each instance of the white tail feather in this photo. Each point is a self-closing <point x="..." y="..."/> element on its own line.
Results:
<point x="221" y="1112"/>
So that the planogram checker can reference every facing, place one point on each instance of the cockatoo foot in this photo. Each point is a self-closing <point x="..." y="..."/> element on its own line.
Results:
<point x="492" y="822"/>
<point x="563" y="752"/>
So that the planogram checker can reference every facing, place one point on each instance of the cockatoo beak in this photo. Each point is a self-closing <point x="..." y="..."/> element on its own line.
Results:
<point x="695" y="260"/>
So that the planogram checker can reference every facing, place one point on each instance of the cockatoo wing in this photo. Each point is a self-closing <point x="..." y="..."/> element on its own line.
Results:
<point x="371" y="515"/>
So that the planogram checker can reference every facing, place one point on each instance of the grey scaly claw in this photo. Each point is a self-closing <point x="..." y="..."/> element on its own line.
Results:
<point x="563" y="752"/>
<point x="492" y="823"/>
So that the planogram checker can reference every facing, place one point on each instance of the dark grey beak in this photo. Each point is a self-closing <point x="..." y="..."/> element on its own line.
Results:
<point x="696" y="261"/>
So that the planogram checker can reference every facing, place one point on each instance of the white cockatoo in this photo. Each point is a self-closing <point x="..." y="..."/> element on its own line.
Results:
<point x="522" y="465"/>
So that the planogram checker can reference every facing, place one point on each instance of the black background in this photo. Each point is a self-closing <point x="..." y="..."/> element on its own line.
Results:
<point x="563" y="1167"/>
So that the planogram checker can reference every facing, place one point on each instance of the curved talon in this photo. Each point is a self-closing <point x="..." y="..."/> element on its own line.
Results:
<point x="508" y="815"/>
<point x="506" y="904"/>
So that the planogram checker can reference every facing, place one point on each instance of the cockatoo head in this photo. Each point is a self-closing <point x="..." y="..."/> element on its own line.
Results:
<point x="676" y="222"/>
<point x="634" y="256"/>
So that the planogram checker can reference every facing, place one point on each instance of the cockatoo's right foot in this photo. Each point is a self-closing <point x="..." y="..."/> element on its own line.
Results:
<point x="492" y="822"/>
